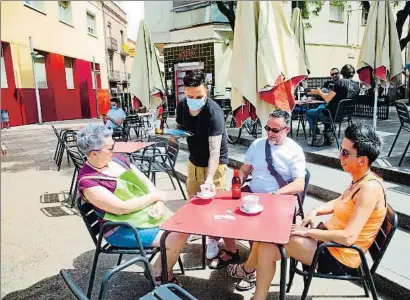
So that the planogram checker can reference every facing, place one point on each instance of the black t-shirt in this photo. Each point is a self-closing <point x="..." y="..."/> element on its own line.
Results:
<point x="344" y="89"/>
<point x="330" y="84"/>
<point x="209" y="122"/>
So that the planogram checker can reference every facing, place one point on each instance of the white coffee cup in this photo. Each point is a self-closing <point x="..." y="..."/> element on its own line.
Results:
<point x="250" y="201"/>
<point x="206" y="190"/>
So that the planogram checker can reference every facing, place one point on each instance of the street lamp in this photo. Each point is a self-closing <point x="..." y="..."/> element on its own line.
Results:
<point x="34" y="56"/>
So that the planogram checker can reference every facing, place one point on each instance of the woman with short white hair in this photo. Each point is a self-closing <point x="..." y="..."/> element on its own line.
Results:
<point x="120" y="192"/>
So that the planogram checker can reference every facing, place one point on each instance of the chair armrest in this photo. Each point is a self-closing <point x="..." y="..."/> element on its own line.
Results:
<point x="125" y="224"/>
<point x="334" y="245"/>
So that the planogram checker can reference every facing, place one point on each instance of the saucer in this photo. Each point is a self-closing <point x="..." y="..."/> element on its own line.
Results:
<point x="207" y="197"/>
<point x="256" y="210"/>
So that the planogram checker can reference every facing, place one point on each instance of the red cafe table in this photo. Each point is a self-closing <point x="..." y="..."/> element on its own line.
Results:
<point x="272" y="225"/>
<point x="130" y="147"/>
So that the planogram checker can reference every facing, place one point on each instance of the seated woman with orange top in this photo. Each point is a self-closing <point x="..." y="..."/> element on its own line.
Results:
<point x="356" y="218"/>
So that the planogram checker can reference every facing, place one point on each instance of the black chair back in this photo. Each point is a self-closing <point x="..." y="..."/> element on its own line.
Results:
<point x="345" y="110"/>
<point x="173" y="150"/>
<point x="404" y="115"/>
<point x="90" y="219"/>
<point x="70" y="138"/>
<point x="76" y="158"/>
<point x="307" y="179"/>
<point x="383" y="238"/>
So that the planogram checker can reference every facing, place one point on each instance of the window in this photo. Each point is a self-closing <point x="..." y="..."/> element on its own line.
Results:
<point x="122" y="37"/>
<point x="69" y="77"/>
<point x="39" y="5"/>
<point x="91" y="24"/>
<point x="336" y="13"/>
<point x="3" y="74"/>
<point x="365" y="14"/>
<point x="64" y="11"/>
<point x="40" y="67"/>
<point x="109" y="29"/>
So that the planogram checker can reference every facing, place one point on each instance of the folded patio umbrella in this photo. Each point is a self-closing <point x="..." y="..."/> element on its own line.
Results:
<point x="380" y="54"/>
<point x="297" y="26"/>
<point x="266" y="63"/>
<point x="146" y="81"/>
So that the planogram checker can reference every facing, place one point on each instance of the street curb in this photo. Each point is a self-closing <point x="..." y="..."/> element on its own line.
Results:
<point x="383" y="284"/>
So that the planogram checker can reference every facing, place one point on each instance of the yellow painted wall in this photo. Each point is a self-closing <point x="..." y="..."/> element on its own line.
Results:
<point x="18" y="22"/>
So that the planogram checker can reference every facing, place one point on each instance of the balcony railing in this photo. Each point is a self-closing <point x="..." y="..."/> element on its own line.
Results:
<point x="114" y="75"/>
<point x="112" y="44"/>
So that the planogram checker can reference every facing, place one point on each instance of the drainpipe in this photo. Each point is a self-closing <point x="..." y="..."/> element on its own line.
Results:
<point x="105" y="47"/>
<point x="33" y="57"/>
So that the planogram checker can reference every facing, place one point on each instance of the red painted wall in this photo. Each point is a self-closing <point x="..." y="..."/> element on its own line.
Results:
<point x="66" y="101"/>
<point x="57" y="102"/>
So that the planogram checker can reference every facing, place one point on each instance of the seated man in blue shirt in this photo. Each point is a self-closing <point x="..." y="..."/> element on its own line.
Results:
<point x="115" y="116"/>
<point x="288" y="160"/>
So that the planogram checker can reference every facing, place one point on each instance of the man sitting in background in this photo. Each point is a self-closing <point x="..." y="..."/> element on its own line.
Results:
<point x="115" y="116"/>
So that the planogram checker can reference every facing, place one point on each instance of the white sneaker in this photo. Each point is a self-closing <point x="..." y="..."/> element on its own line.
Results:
<point x="212" y="249"/>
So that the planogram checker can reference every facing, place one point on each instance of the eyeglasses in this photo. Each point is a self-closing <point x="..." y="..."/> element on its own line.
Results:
<point x="345" y="153"/>
<point x="109" y="150"/>
<point x="334" y="74"/>
<point x="274" y="130"/>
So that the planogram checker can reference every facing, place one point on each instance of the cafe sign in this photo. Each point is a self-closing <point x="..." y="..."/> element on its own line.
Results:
<point x="187" y="53"/>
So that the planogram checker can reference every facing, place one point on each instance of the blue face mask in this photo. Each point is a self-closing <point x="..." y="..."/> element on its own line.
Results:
<point x="113" y="107"/>
<point x="195" y="104"/>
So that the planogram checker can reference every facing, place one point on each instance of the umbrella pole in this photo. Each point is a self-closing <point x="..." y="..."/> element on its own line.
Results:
<point x="299" y="92"/>
<point x="375" y="105"/>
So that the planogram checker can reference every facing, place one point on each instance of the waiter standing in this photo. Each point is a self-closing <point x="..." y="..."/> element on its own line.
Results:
<point x="208" y="151"/>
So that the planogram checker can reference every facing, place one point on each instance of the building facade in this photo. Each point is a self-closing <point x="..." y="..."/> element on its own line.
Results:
<point x="117" y="49"/>
<point x="67" y="36"/>
<point x="194" y="34"/>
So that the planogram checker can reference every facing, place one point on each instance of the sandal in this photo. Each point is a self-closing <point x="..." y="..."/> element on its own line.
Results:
<point x="158" y="279"/>
<point x="219" y="263"/>
<point x="248" y="282"/>
<point x="232" y="271"/>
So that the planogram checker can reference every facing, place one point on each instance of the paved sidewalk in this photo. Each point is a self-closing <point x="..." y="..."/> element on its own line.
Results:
<point x="41" y="234"/>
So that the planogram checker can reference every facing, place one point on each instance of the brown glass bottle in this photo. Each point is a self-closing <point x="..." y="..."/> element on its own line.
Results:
<point x="236" y="185"/>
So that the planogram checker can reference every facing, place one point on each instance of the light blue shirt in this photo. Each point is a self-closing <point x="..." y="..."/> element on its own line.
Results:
<point x="288" y="160"/>
<point x="115" y="114"/>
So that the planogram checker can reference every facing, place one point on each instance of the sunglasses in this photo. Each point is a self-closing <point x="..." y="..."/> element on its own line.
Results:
<point x="274" y="130"/>
<point x="334" y="74"/>
<point x="345" y="153"/>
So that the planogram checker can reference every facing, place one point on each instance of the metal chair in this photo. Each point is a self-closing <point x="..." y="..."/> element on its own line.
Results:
<point x="78" y="160"/>
<point x="165" y="291"/>
<point x="93" y="222"/>
<point x="344" y="114"/>
<point x="364" y="274"/>
<point x="301" y="198"/>
<point x="135" y="122"/>
<point x="68" y="141"/>
<point x="164" y="162"/>
<point x="404" y="117"/>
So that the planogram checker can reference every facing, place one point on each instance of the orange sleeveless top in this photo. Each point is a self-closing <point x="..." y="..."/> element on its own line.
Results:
<point x="343" y="210"/>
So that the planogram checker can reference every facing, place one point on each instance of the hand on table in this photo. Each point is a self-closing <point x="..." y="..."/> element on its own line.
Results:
<point x="211" y="185"/>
